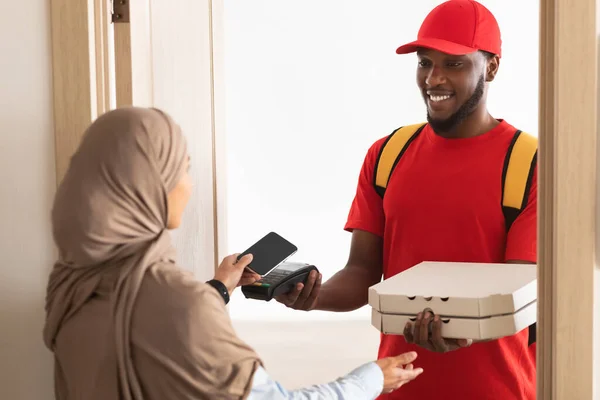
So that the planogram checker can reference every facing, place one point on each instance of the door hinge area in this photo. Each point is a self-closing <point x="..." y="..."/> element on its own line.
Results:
<point x="120" y="11"/>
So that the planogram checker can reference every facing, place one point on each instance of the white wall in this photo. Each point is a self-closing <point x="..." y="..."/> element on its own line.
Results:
<point x="28" y="183"/>
<point x="182" y="87"/>
<point x="309" y="86"/>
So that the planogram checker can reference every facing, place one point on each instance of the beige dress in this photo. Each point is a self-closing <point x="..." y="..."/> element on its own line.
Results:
<point x="189" y="368"/>
<point x="123" y="320"/>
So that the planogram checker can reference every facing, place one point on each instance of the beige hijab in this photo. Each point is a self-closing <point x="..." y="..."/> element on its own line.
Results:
<point x="109" y="223"/>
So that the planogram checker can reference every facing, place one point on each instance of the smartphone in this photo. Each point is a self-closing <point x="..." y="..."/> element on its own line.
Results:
<point x="268" y="253"/>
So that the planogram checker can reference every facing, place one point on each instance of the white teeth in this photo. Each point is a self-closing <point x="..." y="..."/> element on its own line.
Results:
<point x="439" y="98"/>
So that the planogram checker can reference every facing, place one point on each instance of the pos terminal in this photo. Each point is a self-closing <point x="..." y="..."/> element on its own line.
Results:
<point x="281" y="280"/>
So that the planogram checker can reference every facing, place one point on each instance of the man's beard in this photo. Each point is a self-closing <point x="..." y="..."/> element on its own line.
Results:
<point x="450" y="123"/>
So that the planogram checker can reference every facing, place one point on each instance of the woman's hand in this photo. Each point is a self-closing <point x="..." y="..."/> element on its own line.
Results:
<point x="398" y="371"/>
<point x="248" y="278"/>
<point x="231" y="272"/>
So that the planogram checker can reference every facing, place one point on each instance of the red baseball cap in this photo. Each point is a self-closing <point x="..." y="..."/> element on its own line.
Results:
<point x="458" y="27"/>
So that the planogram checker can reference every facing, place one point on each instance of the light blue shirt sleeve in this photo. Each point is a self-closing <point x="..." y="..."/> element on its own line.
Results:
<point x="364" y="383"/>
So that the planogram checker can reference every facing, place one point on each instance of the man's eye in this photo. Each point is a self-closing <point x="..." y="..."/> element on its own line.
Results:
<point x="423" y="63"/>
<point x="454" y="64"/>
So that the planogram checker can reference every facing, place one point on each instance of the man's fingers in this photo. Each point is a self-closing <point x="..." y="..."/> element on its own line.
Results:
<point x="424" y="332"/>
<point x="290" y="298"/>
<point x="303" y="296"/>
<point x="408" y="332"/>
<point x="310" y="283"/>
<point x="405" y="358"/>
<point x="436" y="334"/>
<point x="312" y="298"/>
<point x="417" y="329"/>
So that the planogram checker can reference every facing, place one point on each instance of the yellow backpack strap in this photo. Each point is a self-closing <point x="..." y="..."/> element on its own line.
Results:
<point x="393" y="148"/>
<point x="517" y="175"/>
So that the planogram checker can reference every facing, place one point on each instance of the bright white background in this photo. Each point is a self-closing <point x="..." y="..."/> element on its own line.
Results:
<point x="309" y="87"/>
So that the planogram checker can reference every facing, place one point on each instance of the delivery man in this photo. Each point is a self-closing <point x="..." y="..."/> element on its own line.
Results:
<point x="443" y="202"/>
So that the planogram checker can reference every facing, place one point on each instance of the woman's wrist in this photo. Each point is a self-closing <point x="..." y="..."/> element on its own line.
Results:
<point x="221" y="288"/>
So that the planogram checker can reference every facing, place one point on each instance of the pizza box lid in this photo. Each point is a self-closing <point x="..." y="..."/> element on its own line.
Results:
<point x="475" y="290"/>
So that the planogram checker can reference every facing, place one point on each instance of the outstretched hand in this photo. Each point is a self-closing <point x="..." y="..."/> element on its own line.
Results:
<point x="398" y="371"/>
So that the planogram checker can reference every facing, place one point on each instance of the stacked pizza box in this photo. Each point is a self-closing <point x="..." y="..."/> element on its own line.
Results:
<point x="475" y="300"/>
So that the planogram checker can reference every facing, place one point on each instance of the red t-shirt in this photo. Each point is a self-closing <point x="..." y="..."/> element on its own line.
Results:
<point x="443" y="203"/>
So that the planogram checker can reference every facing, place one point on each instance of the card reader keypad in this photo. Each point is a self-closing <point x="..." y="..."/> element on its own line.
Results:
<point x="271" y="279"/>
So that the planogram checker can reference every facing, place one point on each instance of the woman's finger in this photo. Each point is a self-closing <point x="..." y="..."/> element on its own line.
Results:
<point x="409" y="375"/>
<point x="244" y="261"/>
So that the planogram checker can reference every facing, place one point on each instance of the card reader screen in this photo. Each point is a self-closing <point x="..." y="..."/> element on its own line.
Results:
<point x="291" y="266"/>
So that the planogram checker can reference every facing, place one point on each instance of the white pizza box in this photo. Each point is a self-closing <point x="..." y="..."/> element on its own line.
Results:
<point x="463" y="328"/>
<point x="472" y="290"/>
<point x="475" y="300"/>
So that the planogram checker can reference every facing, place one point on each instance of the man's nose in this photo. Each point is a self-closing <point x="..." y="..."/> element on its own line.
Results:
<point x="435" y="77"/>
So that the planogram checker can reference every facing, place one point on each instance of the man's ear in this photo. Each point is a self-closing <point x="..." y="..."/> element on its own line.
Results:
<point x="493" y="63"/>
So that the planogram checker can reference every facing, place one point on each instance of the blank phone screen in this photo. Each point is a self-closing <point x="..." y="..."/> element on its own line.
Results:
<point x="268" y="253"/>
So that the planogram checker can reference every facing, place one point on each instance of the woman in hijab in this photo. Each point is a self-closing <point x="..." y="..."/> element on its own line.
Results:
<point x="123" y="320"/>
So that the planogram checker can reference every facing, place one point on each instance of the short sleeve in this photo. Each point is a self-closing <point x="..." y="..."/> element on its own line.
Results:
<point x="521" y="243"/>
<point x="366" y="211"/>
